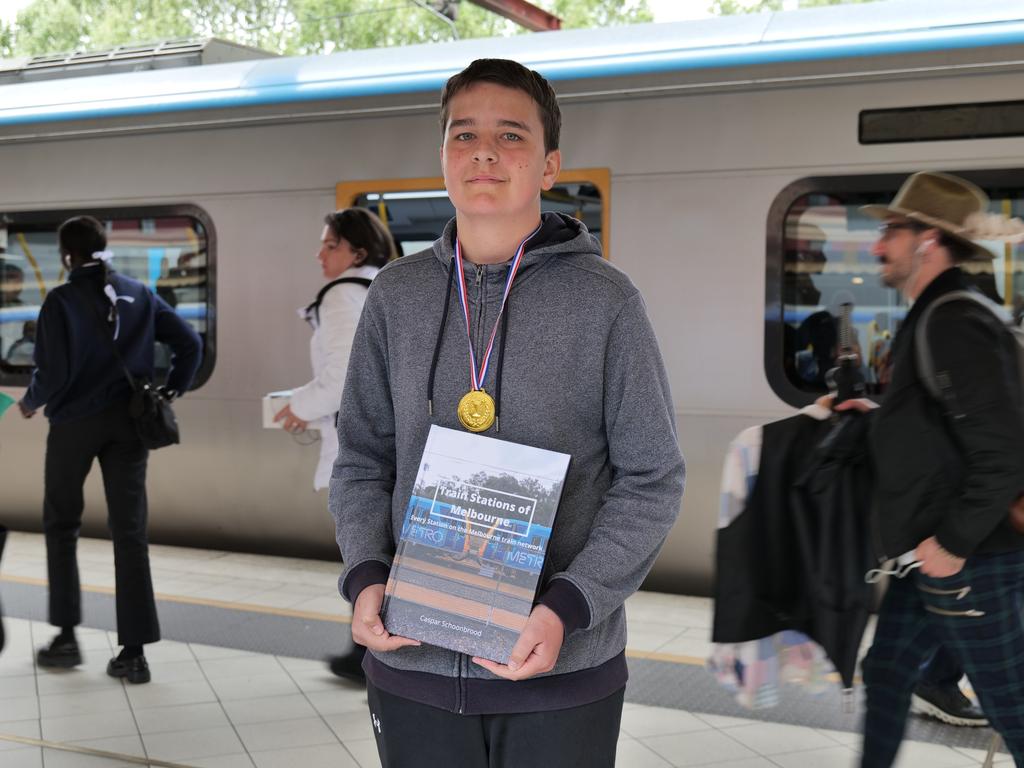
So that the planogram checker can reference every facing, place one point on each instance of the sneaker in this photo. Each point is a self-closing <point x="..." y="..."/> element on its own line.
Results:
<point x="948" y="704"/>
<point x="61" y="654"/>
<point x="349" y="666"/>
<point x="134" y="670"/>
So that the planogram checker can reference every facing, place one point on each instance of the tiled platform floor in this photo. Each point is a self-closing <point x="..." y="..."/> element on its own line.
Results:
<point x="217" y="707"/>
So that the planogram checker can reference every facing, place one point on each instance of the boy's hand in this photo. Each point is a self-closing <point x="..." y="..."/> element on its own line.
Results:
<point x="25" y="411"/>
<point x="367" y="627"/>
<point x="537" y="649"/>
<point x="936" y="561"/>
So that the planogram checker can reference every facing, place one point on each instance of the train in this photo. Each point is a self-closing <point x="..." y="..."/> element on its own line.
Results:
<point x="721" y="162"/>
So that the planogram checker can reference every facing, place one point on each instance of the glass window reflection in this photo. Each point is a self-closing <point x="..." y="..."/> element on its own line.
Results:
<point x="827" y="263"/>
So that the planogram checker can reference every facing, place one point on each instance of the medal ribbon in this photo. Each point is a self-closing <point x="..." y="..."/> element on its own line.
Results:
<point x="477" y="378"/>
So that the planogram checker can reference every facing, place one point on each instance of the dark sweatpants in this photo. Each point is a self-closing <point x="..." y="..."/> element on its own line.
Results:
<point x="70" y="449"/>
<point x="411" y="735"/>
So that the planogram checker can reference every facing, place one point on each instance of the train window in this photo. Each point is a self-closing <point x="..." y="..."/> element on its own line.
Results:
<point x="416" y="210"/>
<point x="819" y="259"/>
<point x="170" y="249"/>
<point x="947" y="122"/>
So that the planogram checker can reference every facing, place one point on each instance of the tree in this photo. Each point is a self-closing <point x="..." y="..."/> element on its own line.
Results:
<point x="6" y="41"/>
<point x="734" y="7"/>
<point x="282" y="26"/>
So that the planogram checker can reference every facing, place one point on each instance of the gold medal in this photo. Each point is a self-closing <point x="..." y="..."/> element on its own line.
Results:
<point x="476" y="410"/>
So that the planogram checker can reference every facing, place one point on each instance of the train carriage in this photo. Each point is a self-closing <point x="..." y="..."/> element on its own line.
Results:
<point x="721" y="162"/>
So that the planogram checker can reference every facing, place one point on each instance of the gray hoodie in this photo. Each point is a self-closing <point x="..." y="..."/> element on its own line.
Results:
<point x="582" y="375"/>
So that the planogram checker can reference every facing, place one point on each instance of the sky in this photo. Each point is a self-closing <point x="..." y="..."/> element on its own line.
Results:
<point x="664" y="10"/>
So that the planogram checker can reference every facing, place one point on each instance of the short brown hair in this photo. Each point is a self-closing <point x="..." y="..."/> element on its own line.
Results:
<point x="364" y="231"/>
<point x="510" y="74"/>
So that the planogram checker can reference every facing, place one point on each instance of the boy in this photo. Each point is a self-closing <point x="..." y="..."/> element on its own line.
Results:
<point x="575" y="369"/>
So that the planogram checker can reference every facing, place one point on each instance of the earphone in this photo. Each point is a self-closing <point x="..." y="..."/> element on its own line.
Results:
<point x="924" y="246"/>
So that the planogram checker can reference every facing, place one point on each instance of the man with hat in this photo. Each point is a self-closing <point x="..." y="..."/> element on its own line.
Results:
<point x="947" y="470"/>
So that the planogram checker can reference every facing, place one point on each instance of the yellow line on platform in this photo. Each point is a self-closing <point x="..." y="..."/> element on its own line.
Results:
<point x="230" y="606"/>
<point x="672" y="657"/>
<point x="134" y="759"/>
<point x="695" y="661"/>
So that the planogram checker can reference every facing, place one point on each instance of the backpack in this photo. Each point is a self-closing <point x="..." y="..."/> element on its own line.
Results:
<point x="313" y="310"/>
<point x="937" y="383"/>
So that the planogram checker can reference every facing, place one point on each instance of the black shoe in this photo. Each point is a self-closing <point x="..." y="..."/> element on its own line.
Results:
<point x="62" y="654"/>
<point x="948" y="704"/>
<point x="134" y="669"/>
<point x="349" y="666"/>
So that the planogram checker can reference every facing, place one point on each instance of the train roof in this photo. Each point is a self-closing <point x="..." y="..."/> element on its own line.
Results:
<point x="819" y="34"/>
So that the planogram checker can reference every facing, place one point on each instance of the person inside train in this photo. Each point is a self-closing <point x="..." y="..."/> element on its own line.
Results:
<point x="86" y="393"/>
<point x="354" y="245"/>
<point x="576" y="369"/>
<point x="12" y="282"/>
<point x="949" y="468"/>
<point x="22" y="351"/>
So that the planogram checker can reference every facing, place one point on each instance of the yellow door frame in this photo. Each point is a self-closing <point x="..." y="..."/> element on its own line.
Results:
<point x="347" y="192"/>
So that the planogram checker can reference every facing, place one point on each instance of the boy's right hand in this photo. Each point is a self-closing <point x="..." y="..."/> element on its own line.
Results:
<point x="367" y="627"/>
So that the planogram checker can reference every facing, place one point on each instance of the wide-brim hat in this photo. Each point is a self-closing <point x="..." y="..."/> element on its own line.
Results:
<point x="951" y="204"/>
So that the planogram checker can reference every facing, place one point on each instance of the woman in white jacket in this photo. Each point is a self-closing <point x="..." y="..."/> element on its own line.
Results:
<point x="354" y="246"/>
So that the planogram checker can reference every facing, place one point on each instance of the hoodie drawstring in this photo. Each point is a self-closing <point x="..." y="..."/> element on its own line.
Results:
<point x="440" y="339"/>
<point x="501" y="365"/>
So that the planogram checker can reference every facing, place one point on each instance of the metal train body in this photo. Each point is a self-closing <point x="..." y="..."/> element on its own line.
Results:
<point x="704" y="127"/>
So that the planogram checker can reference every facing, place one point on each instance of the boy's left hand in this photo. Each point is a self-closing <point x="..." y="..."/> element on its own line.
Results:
<point x="537" y="649"/>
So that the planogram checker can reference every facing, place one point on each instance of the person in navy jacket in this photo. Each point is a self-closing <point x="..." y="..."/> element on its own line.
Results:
<point x="86" y="394"/>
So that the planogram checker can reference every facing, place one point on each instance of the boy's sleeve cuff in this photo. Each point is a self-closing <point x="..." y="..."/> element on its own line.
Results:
<point x="364" y="575"/>
<point x="565" y="599"/>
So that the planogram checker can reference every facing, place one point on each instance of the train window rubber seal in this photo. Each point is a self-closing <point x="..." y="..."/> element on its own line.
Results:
<point x="882" y="188"/>
<point x="19" y="376"/>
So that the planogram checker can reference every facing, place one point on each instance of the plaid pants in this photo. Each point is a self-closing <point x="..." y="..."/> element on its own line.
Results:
<point x="976" y="615"/>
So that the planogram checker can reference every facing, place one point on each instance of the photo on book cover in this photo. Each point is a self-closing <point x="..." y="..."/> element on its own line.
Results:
<point x="473" y="543"/>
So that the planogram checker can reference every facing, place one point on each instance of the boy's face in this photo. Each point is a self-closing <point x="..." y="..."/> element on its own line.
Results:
<point x="493" y="156"/>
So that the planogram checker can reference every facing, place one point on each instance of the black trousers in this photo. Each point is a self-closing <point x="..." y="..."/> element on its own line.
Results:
<point x="71" y="448"/>
<point x="411" y="735"/>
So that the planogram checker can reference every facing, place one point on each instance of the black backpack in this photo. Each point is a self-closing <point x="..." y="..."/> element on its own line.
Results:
<point x="313" y="310"/>
<point x="937" y="383"/>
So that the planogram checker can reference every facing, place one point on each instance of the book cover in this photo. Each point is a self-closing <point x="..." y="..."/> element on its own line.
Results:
<point x="473" y="543"/>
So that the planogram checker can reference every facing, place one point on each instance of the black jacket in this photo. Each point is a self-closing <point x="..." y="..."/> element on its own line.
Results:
<point x="952" y="475"/>
<point x="76" y="373"/>
<point x="795" y="557"/>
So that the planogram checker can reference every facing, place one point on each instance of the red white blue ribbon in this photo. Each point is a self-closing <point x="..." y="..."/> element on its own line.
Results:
<point x="477" y="378"/>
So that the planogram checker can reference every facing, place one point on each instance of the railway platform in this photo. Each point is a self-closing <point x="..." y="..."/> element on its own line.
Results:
<point x="239" y="680"/>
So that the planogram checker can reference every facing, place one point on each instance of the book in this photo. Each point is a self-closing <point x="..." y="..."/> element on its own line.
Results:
<point x="473" y="543"/>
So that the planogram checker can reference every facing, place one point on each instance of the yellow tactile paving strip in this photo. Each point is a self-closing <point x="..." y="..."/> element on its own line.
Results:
<point x="136" y="760"/>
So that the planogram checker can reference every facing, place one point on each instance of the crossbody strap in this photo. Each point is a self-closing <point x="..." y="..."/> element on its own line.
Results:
<point x="105" y="332"/>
